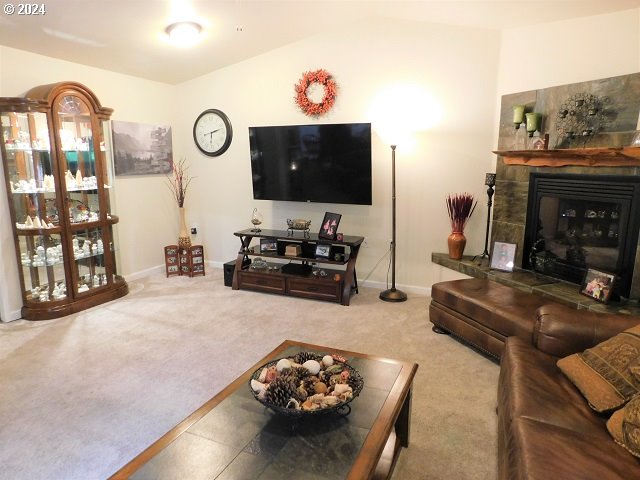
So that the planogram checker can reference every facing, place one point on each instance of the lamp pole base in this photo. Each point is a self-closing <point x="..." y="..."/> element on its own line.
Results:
<point x="393" y="295"/>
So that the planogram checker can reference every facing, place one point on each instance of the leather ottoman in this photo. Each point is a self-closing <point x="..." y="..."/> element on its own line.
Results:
<point x="483" y="313"/>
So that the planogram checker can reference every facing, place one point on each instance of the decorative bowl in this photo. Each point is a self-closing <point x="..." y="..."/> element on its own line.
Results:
<point x="295" y="392"/>
<point x="298" y="224"/>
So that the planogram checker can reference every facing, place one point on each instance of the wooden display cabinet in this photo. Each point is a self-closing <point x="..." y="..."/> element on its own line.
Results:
<point x="59" y="180"/>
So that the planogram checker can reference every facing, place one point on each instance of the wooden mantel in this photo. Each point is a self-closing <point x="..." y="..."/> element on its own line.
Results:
<point x="587" y="157"/>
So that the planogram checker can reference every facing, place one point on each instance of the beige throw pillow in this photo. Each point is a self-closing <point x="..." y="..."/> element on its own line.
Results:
<point x="624" y="426"/>
<point x="608" y="375"/>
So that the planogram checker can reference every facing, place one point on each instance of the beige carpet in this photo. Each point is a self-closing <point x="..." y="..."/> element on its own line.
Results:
<point x="82" y="395"/>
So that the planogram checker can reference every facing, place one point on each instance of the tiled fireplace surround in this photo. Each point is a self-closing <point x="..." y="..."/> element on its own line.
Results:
<point x="512" y="181"/>
<point x="510" y="207"/>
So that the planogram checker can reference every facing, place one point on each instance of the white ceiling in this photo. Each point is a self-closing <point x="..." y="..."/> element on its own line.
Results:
<point x="127" y="35"/>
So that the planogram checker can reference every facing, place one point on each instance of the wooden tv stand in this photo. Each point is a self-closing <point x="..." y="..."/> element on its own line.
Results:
<point x="336" y="286"/>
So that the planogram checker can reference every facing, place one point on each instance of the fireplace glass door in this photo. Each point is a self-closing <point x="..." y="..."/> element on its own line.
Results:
<point x="575" y="222"/>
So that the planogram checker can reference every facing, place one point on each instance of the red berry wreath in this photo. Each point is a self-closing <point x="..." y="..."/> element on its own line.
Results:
<point x="325" y="79"/>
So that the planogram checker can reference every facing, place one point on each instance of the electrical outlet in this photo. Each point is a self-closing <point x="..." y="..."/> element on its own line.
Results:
<point x="194" y="230"/>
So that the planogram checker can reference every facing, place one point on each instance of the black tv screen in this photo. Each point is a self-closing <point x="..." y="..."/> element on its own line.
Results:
<point x="328" y="163"/>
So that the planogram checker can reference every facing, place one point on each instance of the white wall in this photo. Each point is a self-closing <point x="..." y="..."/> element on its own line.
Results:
<point x="571" y="51"/>
<point x="456" y="65"/>
<point x="148" y="220"/>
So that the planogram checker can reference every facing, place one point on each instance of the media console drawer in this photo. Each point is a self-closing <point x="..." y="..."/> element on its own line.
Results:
<point x="314" y="288"/>
<point x="262" y="282"/>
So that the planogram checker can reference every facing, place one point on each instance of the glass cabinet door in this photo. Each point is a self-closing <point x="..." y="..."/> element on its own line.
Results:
<point x="89" y="259"/>
<point x="78" y="160"/>
<point x="32" y="186"/>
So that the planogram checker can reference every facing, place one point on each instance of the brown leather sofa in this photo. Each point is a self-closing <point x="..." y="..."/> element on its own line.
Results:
<point x="546" y="429"/>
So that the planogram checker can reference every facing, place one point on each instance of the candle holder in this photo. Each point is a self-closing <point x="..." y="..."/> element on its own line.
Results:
<point x="533" y="123"/>
<point x="490" y="182"/>
<point x="518" y="116"/>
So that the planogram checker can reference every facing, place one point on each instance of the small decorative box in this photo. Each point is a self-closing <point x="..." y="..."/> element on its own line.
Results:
<point x="293" y="250"/>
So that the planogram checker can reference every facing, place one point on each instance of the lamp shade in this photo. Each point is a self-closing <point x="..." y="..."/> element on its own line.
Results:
<point x="400" y="110"/>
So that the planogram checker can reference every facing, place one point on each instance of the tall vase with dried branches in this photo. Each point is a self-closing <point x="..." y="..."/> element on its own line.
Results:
<point x="178" y="182"/>
<point x="460" y="207"/>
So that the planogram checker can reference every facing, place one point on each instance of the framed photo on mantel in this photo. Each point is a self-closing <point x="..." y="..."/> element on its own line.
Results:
<point x="329" y="226"/>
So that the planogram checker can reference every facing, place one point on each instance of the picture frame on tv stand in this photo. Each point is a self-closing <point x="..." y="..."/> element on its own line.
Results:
<point x="329" y="226"/>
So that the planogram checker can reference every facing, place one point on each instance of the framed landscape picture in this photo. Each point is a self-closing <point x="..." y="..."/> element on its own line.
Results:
<point x="141" y="149"/>
<point x="597" y="285"/>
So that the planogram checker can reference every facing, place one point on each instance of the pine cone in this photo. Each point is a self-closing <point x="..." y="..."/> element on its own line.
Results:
<point x="302" y="357"/>
<point x="299" y="372"/>
<point x="292" y="378"/>
<point x="308" y="384"/>
<point x="325" y="377"/>
<point x="280" y="391"/>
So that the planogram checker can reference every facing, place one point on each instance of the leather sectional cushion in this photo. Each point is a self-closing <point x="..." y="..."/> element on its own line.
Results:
<point x="624" y="426"/>
<point x="531" y="386"/>
<point x="500" y="308"/>
<point x="608" y="375"/>
<point x="546" y="429"/>
<point x="544" y="451"/>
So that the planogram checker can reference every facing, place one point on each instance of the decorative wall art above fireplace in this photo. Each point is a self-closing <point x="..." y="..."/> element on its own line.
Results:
<point x="597" y="113"/>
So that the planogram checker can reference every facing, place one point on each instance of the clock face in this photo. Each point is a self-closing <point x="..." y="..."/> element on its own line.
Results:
<point x="212" y="132"/>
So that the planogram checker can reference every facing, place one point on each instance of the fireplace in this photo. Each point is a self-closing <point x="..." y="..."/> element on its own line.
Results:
<point x="578" y="221"/>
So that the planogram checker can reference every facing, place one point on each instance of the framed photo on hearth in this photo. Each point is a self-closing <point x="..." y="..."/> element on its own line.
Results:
<point x="597" y="285"/>
<point x="503" y="256"/>
<point x="329" y="226"/>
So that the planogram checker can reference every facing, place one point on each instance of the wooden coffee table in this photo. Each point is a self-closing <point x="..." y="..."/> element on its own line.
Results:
<point x="233" y="436"/>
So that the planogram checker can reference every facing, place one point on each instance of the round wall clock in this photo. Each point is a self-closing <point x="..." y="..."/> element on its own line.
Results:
<point x="212" y="132"/>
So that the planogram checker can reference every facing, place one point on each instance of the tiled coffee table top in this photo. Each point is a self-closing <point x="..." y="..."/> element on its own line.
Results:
<point x="241" y="439"/>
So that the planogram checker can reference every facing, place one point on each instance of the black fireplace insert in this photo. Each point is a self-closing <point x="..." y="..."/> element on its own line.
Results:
<point x="575" y="222"/>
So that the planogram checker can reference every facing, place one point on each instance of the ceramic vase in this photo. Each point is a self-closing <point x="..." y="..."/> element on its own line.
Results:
<point x="456" y="242"/>
<point x="184" y="239"/>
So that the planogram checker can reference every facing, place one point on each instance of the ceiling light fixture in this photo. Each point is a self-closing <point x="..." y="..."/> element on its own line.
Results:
<point x="184" y="34"/>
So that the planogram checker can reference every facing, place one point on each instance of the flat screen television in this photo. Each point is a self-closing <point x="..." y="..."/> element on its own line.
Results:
<point x="329" y="163"/>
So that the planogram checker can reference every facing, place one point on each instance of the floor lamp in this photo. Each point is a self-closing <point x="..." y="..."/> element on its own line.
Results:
<point x="392" y="294"/>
